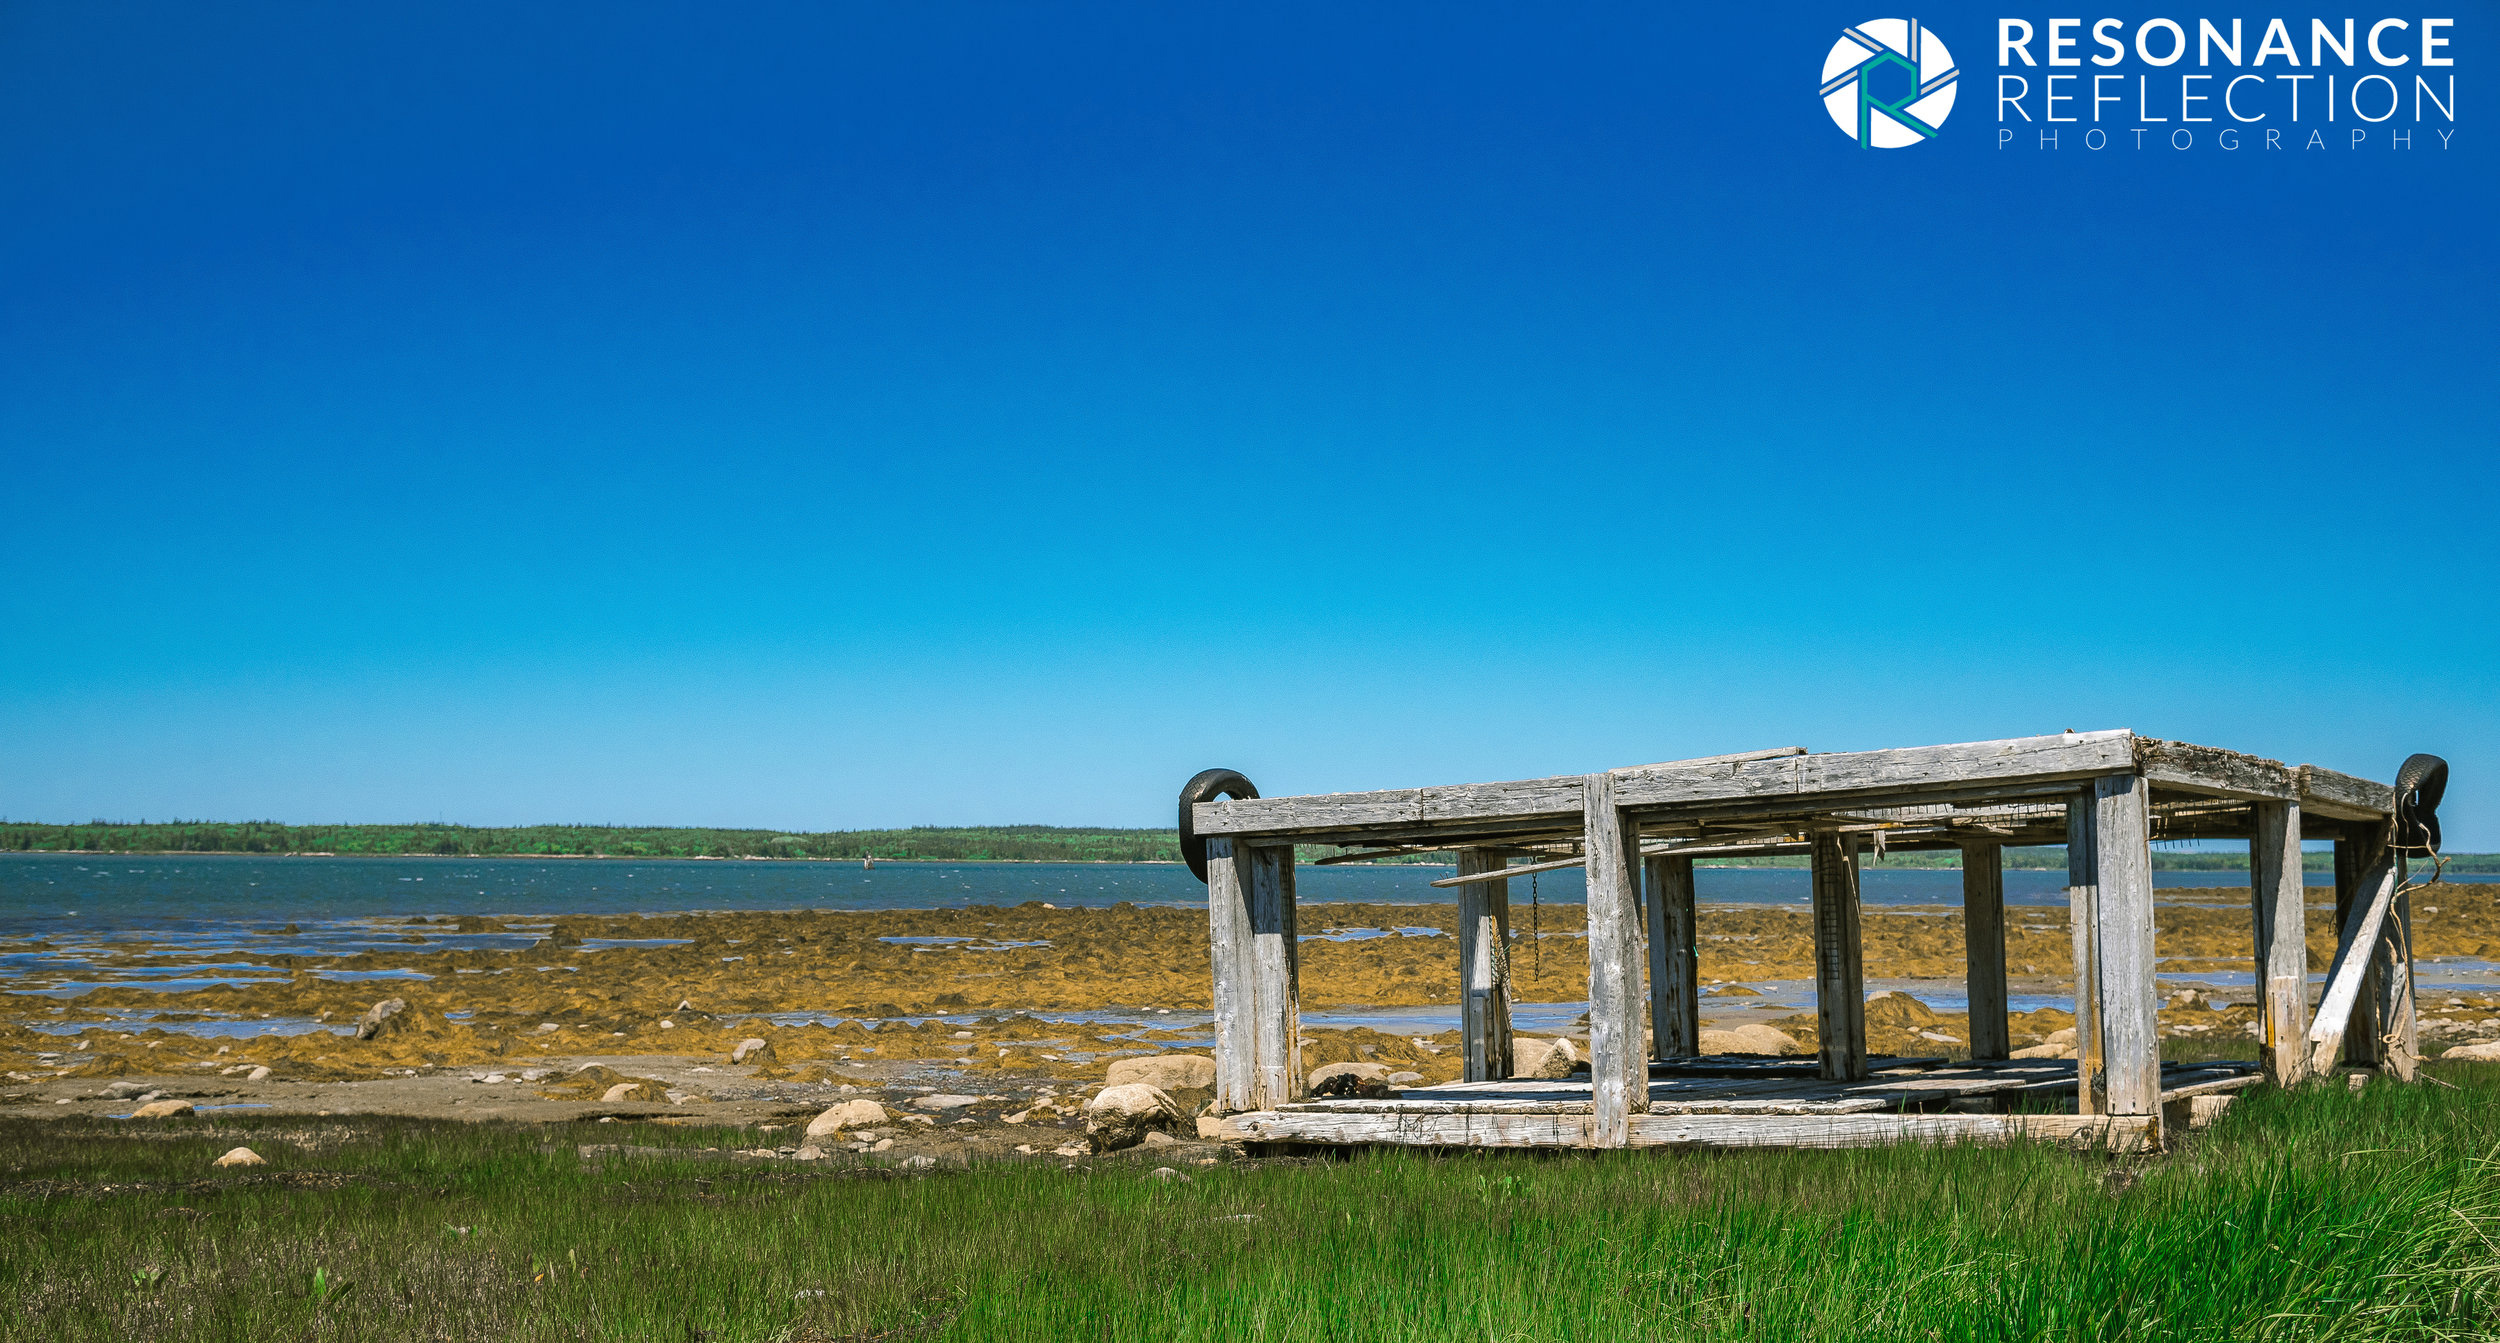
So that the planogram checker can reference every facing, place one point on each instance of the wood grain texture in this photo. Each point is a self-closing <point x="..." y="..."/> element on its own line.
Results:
<point x="1700" y="1131"/>
<point x="1228" y="928"/>
<point x="2278" y="901"/>
<point x="2215" y="772"/>
<point x="2343" y="797"/>
<point x="2131" y="1034"/>
<point x="1618" y="1062"/>
<point x="2083" y="919"/>
<point x="2357" y="851"/>
<point x="2355" y="952"/>
<point x="1674" y="959"/>
<point x="1484" y="968"/>
<point x="1839" y="961"/>
<point x="1276" y="998"/>
<point x="1983" y="944"/>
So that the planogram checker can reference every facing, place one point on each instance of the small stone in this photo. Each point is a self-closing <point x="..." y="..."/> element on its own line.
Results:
<point x="2486" y="1052"/>
<point x="1755" y="1038"/>
<point x="259" y="1074"/>
<point x="752" y="1050"/>
<point x="162" y="1110"/>
<point x="122" y="1091"/>
<point x="1547" y="1060"/>
<point x="1025" y="1148"/>
<point x="668" y="1025"/>
<point x="241" y="1156"/>
<point x="1159" y="1138"/>
<point x="548" y="1027"/>
<point x="379" y="1017"/>
<point x="1071" y="1149"/>
<point x="945" y="1102"/>
<point x="925" y="1121"/>
<point x="622" y="1091"/>
<point x="811" y="1152"/>
<point x="1405" y="1079"/>
<point x="1167" y="1175"/>
<point x="881" y="1144"/>
<point x="919" y="1162"/>
<point x="1360" y="1072"/>
<point x="848" y="1114"/>
<point x="1171" y="1072"/>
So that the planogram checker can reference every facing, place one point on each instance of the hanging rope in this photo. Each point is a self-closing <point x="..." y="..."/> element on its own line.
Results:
<point x="1536" y="933"/>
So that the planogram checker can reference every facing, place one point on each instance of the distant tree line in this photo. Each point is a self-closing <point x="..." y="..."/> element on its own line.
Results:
<point x="1011" y="843"/>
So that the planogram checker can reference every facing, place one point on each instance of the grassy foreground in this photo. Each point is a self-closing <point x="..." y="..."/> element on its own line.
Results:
<point x="2315" y="1215"/>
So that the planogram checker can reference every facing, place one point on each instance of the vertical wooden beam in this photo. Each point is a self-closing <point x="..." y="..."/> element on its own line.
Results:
<point x="2130" y="1001"/>
<point x="1839" y="962"/>
<point x="1484" y="966"/>
<point x="1674" y="959"/>
<point x="1276" y="1031"/>
<point x="1983" y="942"/>
<point x="2400" y="1026"/>
<point x="2083" y="918"/>
<point x="2356" y="852"/>
<point x="2280" y="905"/>
<point x="1229" y="939"/>
<point x="1618" y="1065"/>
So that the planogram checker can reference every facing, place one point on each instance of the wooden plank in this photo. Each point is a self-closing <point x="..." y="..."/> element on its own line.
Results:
<point x="2130" y="1001"/>
<point x="1694" y="1130"/>
<point x="2210" y="1087"/>
<point x="1674" y="959"/>
<point x="2083" y="918"/>
<point x="1839" y="963"/>
<point x="1983" y="943"/>
<point x="1753" y="775"/>
<point x="1484" y="967"/>
<point x="2399" y="1024"/>
<point x="2343" y="797"/>
<point x="2215" y="772"/>
<point x="2282" y="970"/>
<point x="2358" y="850"/>
<point x="1618" y="1063"/>
<point x="2354" y="952"/>
<point x="1276" y="1000"/>
<point x="1228" y="928"/>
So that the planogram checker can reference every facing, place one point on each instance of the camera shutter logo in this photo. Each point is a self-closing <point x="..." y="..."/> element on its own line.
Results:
<point x="1889" y="83"/>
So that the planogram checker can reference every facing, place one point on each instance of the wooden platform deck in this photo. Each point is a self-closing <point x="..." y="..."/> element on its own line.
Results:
<point x="1743" y="1101"/>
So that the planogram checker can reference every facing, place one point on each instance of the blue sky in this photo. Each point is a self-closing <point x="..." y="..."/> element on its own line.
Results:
<point x="819" y="417"/>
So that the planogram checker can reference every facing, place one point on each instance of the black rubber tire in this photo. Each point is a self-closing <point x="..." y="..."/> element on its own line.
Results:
<point x="1209" y="785"/>
<point x="2419" y="786"/>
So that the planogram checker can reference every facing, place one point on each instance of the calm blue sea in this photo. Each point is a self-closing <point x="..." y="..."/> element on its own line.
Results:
<point x="53" y="894"/>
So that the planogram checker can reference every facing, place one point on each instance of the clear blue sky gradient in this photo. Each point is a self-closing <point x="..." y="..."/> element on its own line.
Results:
<point x="830" y="417"/>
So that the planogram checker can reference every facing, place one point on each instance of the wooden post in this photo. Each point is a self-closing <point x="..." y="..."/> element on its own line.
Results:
<point x="2083" y="918"/>
<point x="2130" y="1028"/>
<point x="1484" y="966"/>
<point x="1277" y="998"/>
<point x="2281" y="908"/>
<point x="1839" y="963"/>
<point x="2400" y="1026"/>
<point x="1983" y="942"/>
<point x="1674" y="965"/>
<point x="1618" y="1065"/>
<point x="2356" y="852"/>
<point x="1229" y="937"/>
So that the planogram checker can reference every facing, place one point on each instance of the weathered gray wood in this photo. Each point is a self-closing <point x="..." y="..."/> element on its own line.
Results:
<point x="1983" y="943"/>
<point x="2215" y="772"/>
<point x="2343" y="797"/>
<point x="2357" y="852"/>
<point x="1618" y="1064"/>
<point x="2355" y="950"/>
<point x="1229" y="938"/>
<point x="2083" y="915"/>
<point x="2130" y="1029"/>
<point x="1698" y="1130"/>
<point x="2282" y="972"/>
<point x="1276" y="998"/>
<point x="1719" y="779"/>
<point x="1674" y="950"/>
<point x="1484" y="967"/>
<point x="2400" y="1041"/>
<point x="1839" y="963"/>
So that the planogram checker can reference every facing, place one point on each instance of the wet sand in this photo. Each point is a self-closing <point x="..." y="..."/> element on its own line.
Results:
<point x="671" y="1004"/>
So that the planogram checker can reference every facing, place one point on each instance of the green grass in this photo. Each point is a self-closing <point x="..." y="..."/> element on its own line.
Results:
<point x="2319" y="1214"/>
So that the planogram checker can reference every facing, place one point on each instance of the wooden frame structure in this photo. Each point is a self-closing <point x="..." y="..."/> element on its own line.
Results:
<point x="2105" y="795"/>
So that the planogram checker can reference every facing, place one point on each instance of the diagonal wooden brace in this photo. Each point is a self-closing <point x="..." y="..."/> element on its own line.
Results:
<point x="2353" y="950"/>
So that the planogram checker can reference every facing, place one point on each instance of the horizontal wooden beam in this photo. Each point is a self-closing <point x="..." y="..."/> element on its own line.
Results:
<point x="2324" y="792"/>
<point x="1682" y="1130"/>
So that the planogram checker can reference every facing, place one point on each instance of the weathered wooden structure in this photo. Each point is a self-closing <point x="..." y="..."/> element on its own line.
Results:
<point x="2106" y="796"/>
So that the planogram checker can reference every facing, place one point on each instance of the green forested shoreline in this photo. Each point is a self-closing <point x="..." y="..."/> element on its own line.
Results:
<point x="1009" y="843"/>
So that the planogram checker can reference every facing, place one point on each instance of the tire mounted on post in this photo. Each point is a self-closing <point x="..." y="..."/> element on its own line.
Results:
<point x="1209" y="785"/>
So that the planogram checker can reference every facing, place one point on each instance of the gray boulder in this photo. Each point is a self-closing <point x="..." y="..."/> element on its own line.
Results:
<point x="752" y="1050"/>
<point x="380" y="1016"/>
<point x="1122" y="1116"/>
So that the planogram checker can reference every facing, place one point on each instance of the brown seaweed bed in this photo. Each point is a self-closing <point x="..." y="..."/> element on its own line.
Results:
<point x="1027" y="997"/>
